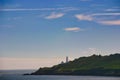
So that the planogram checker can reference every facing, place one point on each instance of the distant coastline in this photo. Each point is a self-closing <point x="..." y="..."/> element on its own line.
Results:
<point x="17" y="71"/>
<point x="95" y="65"/>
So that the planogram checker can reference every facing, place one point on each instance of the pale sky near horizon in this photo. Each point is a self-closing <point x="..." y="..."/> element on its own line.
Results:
<point x="39" y="33"/>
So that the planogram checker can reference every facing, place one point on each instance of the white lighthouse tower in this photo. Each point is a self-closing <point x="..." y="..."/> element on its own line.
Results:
<point x="67" y="60"/>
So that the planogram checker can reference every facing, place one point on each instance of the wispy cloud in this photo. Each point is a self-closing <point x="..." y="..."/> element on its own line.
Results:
<point x="23" y="9"/>
<point x="110" y="22"/>
<point x="66" y="9"/>
<point x="101" y="18"/>
<point x="39" y="9"/>
<point x="113" y="9"/>
<point x="54" y="15"/>
<point x="90" y="17"/>
<point x="84" y="17"/>
<point x="105" y="14"/>
<point x="73" y="29"/>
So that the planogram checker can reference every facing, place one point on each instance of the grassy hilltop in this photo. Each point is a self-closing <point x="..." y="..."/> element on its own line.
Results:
<point x="92" y="65"/>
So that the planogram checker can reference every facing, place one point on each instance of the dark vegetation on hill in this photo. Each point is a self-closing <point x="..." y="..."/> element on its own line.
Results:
<point x="93" y="65"/>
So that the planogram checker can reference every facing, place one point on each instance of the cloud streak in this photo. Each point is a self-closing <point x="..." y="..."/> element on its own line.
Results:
<point x="110" y="22"/>
<point x="106" y="14"/>
<point x="114" y="9"/>
<point x="84" y="17"/>
<point x="40" y="9"/>
<point x="73" y="29"/>
<point x="100" y="18"/>
<point x="54" y="15"/>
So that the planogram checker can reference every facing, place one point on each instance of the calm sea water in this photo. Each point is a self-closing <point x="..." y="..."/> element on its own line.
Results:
<point x="15" y="75"/>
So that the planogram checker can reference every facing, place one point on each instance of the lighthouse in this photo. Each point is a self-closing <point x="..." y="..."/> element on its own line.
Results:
<point x="67" y="59"/>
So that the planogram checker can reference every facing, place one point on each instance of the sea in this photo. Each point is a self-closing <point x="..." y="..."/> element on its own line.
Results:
<point x="18" y="75"/>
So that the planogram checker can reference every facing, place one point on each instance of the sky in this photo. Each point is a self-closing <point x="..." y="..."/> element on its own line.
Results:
<point x="40" y="33"/>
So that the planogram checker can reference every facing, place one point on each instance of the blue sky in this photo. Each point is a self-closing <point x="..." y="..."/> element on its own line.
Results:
<point x="58" y="28"/>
